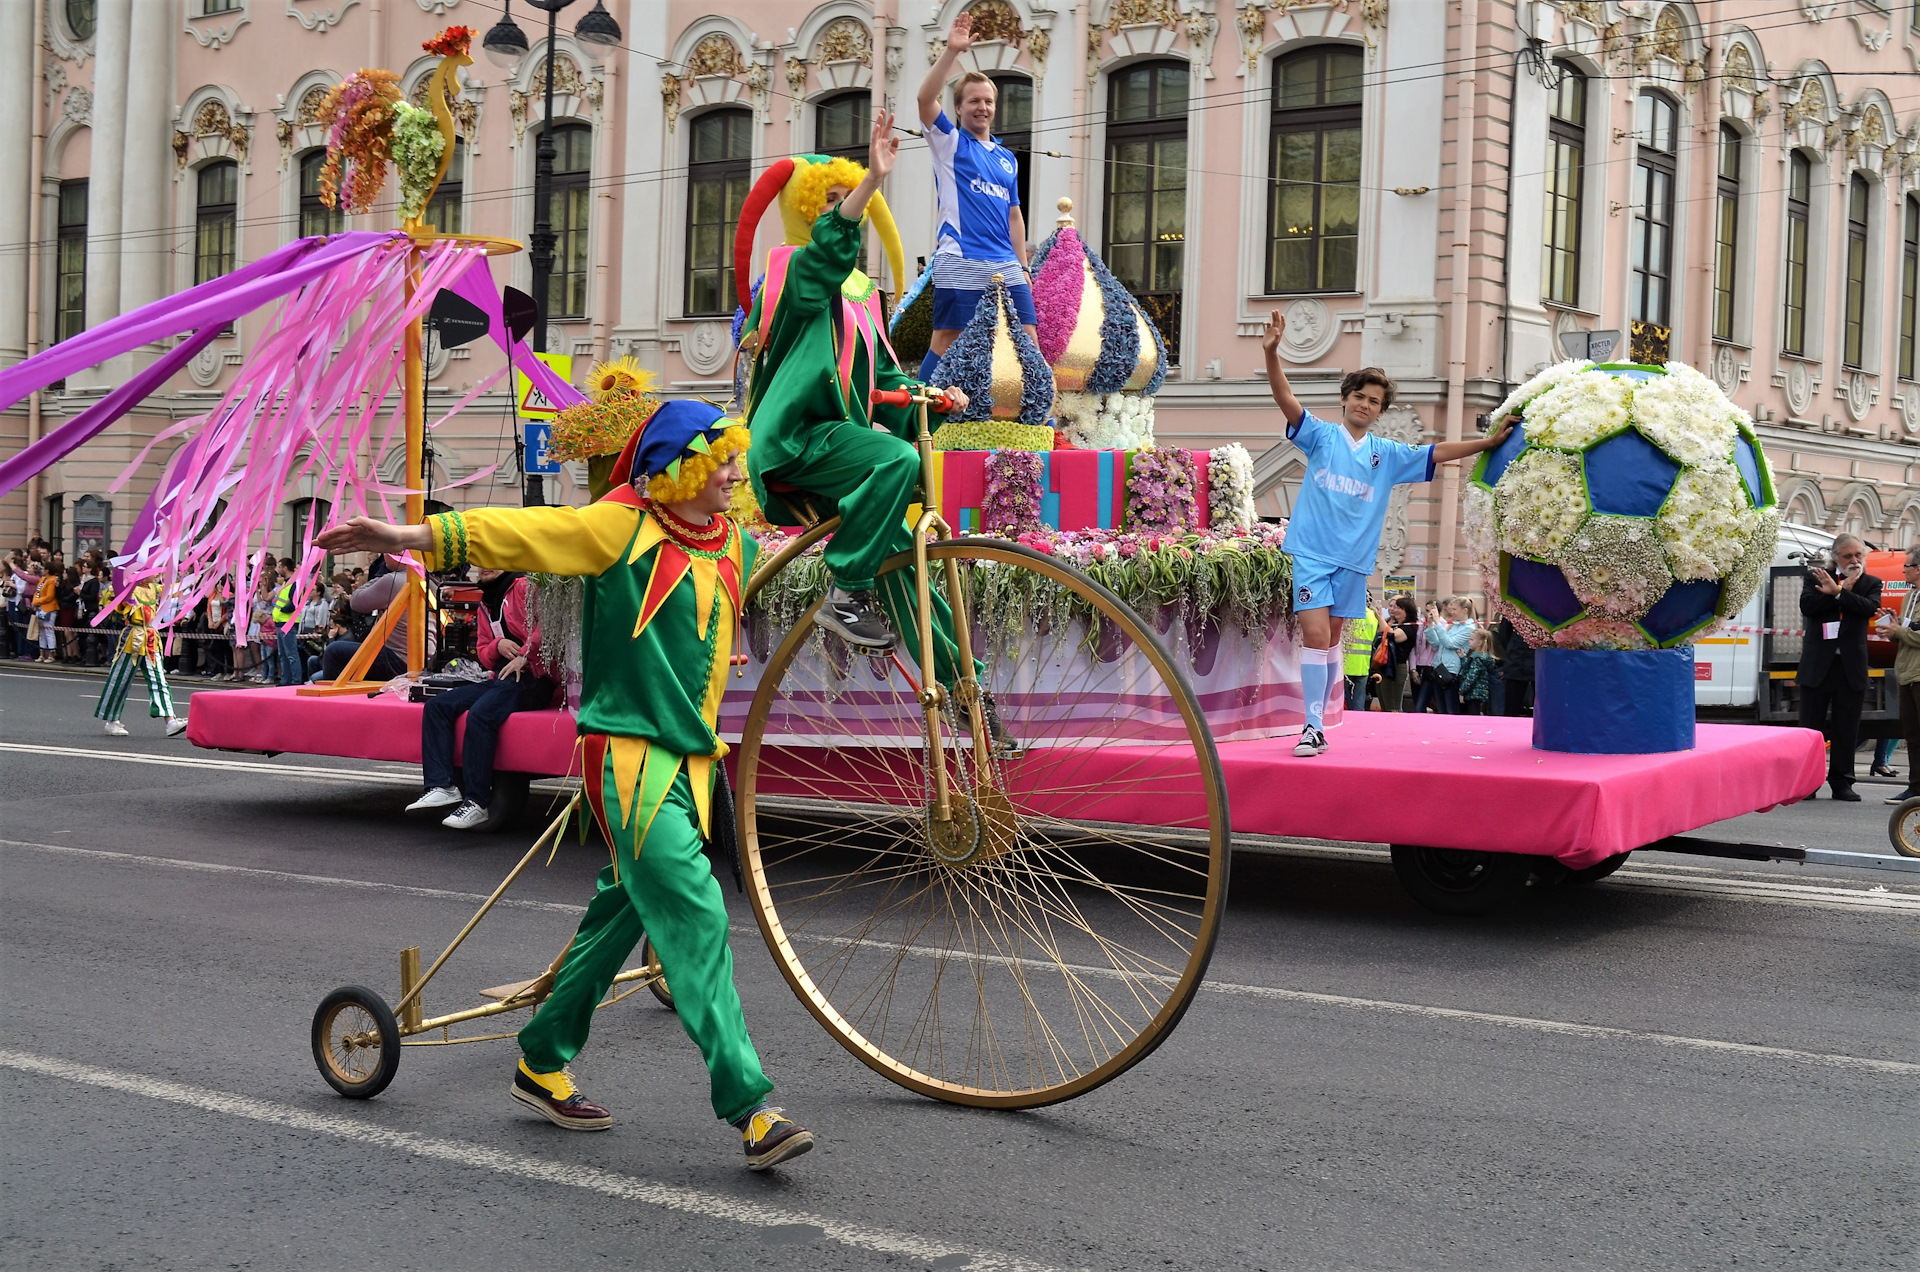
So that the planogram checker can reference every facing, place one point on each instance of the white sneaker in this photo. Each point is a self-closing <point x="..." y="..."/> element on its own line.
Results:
<point x="115" y="729"/>
<point x="438" y="797"/>
<point x="1312" y="742"/>
<point x="176" y="725"/>
<point x="465" y="817"/>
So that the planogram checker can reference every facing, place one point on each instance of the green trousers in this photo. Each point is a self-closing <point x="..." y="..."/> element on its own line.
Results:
<point x="872" y="476"/>
<point x="668" y="893"/>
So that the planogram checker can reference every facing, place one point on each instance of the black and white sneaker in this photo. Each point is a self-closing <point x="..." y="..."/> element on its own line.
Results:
<point x="1003" y="743"/>
<point x="1312" y="742"/>
<point x="855" y="617"/>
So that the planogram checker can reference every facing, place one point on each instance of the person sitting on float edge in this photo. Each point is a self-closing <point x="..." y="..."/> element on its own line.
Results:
<point x="510" y="648"/>
<point x="1335" y="531"/>
<point x="1838" y="605"/>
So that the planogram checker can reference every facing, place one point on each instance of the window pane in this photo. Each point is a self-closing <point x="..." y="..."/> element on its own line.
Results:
<point x="1131" y="93"/>
<point x="1799" y="178"/>
<point x="1173" y="93"/>
<point x="1569" y="102"/>
<point x="1015" y="112"/>
<point x="1857" y="201"/>
<point x="1299" y="82"/>
<point x="1131" y="166"/>
<point x="1729" y="153"/>
<point x="572" y="148"/>
<point x="1129" y="219"/>
<point x="846" y="124"/>
<point x="1128" y="263"/>
<point x="1293" y="211"/>
<point x="218" y="183"/>
<point x="73" y="203"/>
<point x="1340" y="210"/>
<point x="1170" y="165"/>
<point x="1293" y="158"/>
<point x="1170" y="216"/>
<point x="1342" y="155"/>
<point x="1344" y="71"/>
<point x="1292" y="264"/>
<point x="1339" y="264"/>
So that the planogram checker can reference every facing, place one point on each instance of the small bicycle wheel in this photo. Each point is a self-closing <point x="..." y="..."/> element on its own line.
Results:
<point x="356" y="1042"/>
<point x="1903" y="828"/>
<point x="1049" y="932"/>
<point x="658" y="985"/>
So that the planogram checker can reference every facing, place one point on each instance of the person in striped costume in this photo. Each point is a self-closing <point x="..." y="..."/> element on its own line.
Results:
<point x="139" y="648"/>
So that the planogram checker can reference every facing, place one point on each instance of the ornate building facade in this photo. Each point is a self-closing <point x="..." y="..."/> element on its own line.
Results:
<point x="1450" y="189"/>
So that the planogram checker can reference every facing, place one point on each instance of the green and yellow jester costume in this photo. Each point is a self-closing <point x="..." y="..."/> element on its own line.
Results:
<point x="820" y="349"/>
<point x="662" y="607"/>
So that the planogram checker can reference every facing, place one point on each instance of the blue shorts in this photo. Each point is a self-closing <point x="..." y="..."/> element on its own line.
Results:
<point x="1323" y="585"/>
<point x="953" y="309"/>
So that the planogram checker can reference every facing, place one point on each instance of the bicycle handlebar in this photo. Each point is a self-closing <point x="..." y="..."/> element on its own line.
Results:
<point x="937" y="399"/>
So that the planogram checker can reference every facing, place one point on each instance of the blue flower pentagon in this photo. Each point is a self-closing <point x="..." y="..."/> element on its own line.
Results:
<point x="1628" y="476"/>
<point x="1542" y="588"/>
<point x="1683" y="610"/>
<point x="1494" y="463"/>
<point x="1746" y="458"/>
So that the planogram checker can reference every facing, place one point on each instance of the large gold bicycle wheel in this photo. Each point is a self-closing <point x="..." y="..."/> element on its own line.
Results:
<point x="1049" y="934"/>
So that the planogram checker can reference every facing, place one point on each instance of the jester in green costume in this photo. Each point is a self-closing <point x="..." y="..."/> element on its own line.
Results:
<point x="664" y="573"/>
<point x="818" y="340"/>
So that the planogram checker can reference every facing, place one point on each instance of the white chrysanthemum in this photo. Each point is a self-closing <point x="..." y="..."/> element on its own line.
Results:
<point x="1685" y="415"/>
<point x="1706" y="524"/>
<point x="1230" y="488"/>
<point x="1476" y="522"/>
<point x="1751" y="571"/>
<point x="1579" y="411"/>
<point x="1616" y="566"/>
<point x="1541" y="500"/>
<point x="1553" y="375"/>
<point x="1112" y="421"/>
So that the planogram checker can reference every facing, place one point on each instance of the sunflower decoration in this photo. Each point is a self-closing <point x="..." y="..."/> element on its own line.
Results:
<point x="617" y="377"/>
<point x="620" y="399"/>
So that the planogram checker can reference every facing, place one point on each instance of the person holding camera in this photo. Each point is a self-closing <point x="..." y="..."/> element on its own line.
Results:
<point x="1906" y="669"/>
<point x="1838" y="604"/>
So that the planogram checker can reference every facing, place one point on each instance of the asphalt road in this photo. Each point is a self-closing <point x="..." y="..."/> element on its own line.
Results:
<point x="1693" y="1064"/>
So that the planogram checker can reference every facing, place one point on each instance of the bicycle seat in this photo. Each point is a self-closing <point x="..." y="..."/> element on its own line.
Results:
<point x="804" y="504"/>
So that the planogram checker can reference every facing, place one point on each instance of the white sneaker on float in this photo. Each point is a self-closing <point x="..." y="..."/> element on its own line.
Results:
<point x="465" y="817"/>
<point x="438" y="797"/>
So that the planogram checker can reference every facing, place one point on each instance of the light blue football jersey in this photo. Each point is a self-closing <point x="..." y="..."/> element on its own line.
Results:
<point x="1343" y="498"/>
<point x="977" y="184"/>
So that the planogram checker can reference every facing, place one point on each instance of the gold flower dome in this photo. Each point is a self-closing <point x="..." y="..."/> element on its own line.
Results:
<point x="1093" y="333"/>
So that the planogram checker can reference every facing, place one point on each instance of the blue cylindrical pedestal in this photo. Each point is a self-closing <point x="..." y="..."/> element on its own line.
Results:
<point x="1613" y="701"/>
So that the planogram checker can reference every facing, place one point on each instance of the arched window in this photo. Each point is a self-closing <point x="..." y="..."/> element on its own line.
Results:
<point x="1651" y="251"/>
<point x="718" y="177"/>
<point x="843" y="126"/>
<point x="302" y="513"/>
<point x="1566" y="164"/>
<point x="1907" y="532"/>
<point x="83" y="17"/>
<point x="1013" y="125"/>
<point x="1859" y="211"/>
<point x="215" y="219"/>
<point x="446" y="209"/>
<point x="1909" y="285"/>
<point x="1800" y="511"/>
<point x="1145" y="229"/>
<point x="572" y="200"/>
<point x="1726" y="233"/>
<point x="316" y="218"/>
<point x="70" y="264"/>
<point x="1313" y="238"/>
<point x="1793" y="328"/>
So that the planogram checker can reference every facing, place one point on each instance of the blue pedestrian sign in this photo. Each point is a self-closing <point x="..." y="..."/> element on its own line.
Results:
<point x="540" y="460"/>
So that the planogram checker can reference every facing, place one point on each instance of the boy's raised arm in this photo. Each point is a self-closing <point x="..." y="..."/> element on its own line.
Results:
<point x="1277" y="378"/>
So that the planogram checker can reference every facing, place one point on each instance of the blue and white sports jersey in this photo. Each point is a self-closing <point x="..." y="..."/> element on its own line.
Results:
<point x="1343" y="499"/>
<point x="977" y="184"/>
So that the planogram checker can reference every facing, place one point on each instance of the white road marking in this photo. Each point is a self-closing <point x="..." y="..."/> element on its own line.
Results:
<point x="691" y="1201"/>
<point x="402" y="774"/>
<point x="1230" y="988"/>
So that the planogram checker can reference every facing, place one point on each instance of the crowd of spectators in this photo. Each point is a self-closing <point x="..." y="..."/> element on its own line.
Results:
<point x="1442" y="659"/>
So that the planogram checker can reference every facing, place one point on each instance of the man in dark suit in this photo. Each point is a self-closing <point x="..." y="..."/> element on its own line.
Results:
<point x="1838" y="606"/>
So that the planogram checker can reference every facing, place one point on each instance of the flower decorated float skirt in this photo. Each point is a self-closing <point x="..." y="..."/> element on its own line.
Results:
<point x="662" y="605"/>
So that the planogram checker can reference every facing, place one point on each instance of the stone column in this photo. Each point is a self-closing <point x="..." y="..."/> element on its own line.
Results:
<point x="146" y="193"/>
<point x="16" y="103"/>
<point x="111" y="40"/>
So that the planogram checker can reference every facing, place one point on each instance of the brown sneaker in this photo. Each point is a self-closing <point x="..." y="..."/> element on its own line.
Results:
<point x="772" y="1137"/>
<point x="555" y="1097"/>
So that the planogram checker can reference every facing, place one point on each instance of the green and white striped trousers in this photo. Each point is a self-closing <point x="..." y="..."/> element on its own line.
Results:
<point x="113" y="699"/>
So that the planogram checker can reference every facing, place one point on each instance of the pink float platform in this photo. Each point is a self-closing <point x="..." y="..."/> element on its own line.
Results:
<point x="1439" y="781"/>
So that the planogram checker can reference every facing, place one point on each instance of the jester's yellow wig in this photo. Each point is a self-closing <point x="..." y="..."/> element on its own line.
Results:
<point x="800" y="185"/>
<point x="688" y="476"/>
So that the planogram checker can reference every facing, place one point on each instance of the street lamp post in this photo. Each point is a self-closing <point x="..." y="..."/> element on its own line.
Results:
<point x="505" y="45"/>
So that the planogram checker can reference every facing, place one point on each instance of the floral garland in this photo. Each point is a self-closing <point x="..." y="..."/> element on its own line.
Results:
<point x="1112" y="421"/>
<point x="417" y="145"/>
<point x="1160" y="489"/>
<point x="1012" y="503"/>
<point x="1230" y="489"/>
<point x="360" y="114"/>
<point x="455" y="41"/>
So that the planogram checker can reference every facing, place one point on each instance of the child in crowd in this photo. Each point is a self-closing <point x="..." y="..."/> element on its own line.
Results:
<point x="1335" y="531"/>
<point x="1476" y="675"/>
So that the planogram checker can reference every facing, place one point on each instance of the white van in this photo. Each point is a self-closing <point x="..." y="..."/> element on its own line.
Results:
<point x="1727" y="668"/>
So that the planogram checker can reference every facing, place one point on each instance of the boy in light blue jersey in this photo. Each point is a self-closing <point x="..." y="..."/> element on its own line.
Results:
<point x="1334" y="532"/>
<point x="977" y="183"/>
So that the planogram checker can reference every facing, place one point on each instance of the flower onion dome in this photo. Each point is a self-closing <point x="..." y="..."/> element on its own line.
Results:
<point x="1093" y="333"/>
<point x="997" y="364"/>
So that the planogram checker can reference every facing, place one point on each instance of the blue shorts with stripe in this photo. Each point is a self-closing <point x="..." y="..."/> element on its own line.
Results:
<point x="1324" y="585"/>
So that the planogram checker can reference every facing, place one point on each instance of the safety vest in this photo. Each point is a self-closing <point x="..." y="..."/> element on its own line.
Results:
<point x="283" y="611"/>
<point x="1360" y="633"/>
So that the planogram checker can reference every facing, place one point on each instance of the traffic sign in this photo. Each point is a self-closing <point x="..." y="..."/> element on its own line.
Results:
<point x="533" y="404"/>
<point x="540" y="459"/>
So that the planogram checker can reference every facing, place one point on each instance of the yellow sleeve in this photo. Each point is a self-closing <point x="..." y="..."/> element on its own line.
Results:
<point x="575" y="541"/>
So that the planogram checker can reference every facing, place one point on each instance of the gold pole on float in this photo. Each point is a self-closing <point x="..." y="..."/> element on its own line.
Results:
<point x="443" y="87"/>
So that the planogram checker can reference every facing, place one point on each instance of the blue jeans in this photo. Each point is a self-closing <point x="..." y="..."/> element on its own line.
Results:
<point x="487" y="704"/>
<point x="287" y="646"/>
<point x="338" y="653"/>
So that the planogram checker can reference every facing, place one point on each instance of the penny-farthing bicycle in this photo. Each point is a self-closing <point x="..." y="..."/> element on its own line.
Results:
<point x="1002" y="890"/>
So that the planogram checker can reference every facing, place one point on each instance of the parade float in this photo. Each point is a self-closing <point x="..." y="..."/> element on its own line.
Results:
<point x="1630" y="511"/>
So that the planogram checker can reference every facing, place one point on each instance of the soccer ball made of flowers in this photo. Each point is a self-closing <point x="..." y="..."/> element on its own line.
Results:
<point x="1631" y="508"/>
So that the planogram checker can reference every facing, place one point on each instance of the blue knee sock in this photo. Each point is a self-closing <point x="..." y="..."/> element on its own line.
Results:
<point x="1313" y="685"/>
<point x="927" y="364"/>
